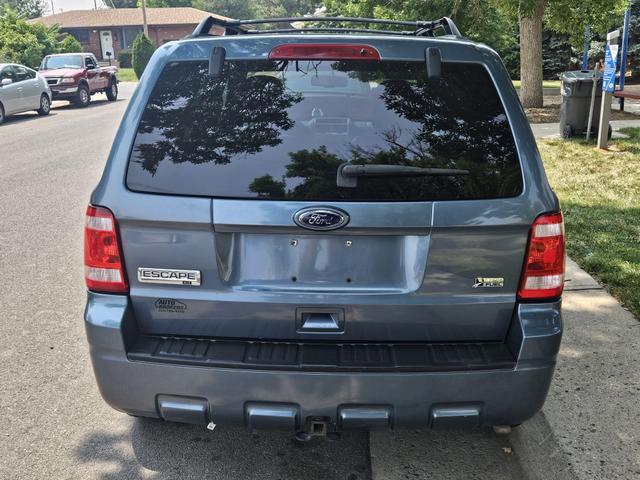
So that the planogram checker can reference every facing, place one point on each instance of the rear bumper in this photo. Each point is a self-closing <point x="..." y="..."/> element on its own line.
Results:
<point x="281" y="398"/>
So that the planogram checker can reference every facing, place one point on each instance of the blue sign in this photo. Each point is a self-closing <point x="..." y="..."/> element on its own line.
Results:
<point x="610" y="67"/>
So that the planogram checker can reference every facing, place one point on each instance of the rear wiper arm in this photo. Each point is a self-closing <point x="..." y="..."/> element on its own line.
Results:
<point x="348" y="173"/>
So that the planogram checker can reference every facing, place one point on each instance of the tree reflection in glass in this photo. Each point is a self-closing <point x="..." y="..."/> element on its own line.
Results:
<point x="212" y="120"/>
<point x="280" y="131"/>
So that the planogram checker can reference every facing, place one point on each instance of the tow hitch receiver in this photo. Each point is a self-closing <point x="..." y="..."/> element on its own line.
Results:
<point x="314" y="427"/>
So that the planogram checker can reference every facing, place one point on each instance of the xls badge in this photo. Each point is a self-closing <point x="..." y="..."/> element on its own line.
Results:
<point x="169" y="276"/>
<point x="488" y="282"/>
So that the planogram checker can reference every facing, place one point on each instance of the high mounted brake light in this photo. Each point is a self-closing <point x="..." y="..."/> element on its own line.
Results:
<point x="543" y="274"/>
<point x="103" y="261"/>
<point x="323" y="51"/>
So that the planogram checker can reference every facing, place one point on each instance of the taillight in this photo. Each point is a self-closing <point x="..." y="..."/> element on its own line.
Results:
<point x="103" y="261"/>
<point x="543" y="275"/>
<point x="323" y="51"/>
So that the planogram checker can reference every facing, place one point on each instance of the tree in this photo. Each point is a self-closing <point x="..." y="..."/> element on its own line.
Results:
<point x="25" y="43"/>
<point x="24" y="8"/>
<point x="492" y="23"/>
<point x="530" y="21"/>
<point x="251" y="9"/>
<point x="228" y="8"/>
<point x="123" y="3"/>
<point x="168" y="3"/>
<point x="286" y="8"/>
<point x="141" y="53"/>
<point x="564" y="16"/>
<point x="556" y="54"/>
<point x="477" y="19"/>
<point x="572" y="16"/>
<point x="634" y="40"/>
<point x="70" y="45"/>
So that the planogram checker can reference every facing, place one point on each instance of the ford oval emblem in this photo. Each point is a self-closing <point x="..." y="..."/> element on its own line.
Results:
<point x="321" y="218"/>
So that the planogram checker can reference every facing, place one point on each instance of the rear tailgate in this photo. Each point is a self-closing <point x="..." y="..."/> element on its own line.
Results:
<point x="418" y="258"/>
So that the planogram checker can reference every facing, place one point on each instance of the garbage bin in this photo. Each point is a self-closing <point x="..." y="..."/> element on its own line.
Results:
<point x="576" y="101"/>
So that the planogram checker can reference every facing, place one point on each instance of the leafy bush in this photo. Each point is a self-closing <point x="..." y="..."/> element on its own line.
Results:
<point x="21" y="42"/>
<point x="20" y="48"/>
<point x="70" y="45"/>
<point x="143" y="48"/>
<point x="125" y="58"/>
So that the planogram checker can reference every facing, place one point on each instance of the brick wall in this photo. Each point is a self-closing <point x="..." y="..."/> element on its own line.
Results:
<point x="162" y="34"/>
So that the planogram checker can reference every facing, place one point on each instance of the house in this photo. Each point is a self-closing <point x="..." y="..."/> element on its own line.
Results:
<point x="111" y="30"/>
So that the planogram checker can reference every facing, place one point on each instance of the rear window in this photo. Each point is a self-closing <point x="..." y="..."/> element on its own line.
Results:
<point x="280" y="130"/>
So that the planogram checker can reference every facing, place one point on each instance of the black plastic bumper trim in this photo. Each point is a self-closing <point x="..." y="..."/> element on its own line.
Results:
<point x="367" y="357"/>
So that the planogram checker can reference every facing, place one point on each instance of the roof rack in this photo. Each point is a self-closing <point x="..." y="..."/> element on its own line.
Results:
<point x="431" y="28"/>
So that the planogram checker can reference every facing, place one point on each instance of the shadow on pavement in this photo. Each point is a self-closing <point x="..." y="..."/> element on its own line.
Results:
<point x="58" y="106"/>
<point x="444" y="455"/>
<point x="163" y="450"/>
<point x="24" y="117"/>
<point x="95" y="102"/>
<point x="530" y="452"/>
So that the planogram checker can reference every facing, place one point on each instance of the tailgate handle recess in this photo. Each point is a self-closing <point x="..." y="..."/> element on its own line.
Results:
<point x="319" y="320"/>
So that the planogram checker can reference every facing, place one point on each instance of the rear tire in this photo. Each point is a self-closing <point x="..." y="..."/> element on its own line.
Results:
<point x="1" y="114"/>
<point x="83" y="98"/>
<point x="112" y="91"/>
<point x="45" y="105"/>
<point x="567" y="131"/>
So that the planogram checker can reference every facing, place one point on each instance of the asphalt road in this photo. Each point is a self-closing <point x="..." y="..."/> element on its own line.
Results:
<point x="53" y="423"/>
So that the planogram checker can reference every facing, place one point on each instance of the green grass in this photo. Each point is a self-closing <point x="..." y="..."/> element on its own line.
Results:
<point x="600" y="195"/>
<point x="127" y="75"/>
<point x="545" y="84"/>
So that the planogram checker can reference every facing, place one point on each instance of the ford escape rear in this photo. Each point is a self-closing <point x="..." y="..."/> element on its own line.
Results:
<point x="319" y="230"/>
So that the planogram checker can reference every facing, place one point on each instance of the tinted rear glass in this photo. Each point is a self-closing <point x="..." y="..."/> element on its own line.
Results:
<point x="280" y="130"/>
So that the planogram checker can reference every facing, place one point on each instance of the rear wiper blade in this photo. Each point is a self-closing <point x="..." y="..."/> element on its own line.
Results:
<point x="348" y="173"/>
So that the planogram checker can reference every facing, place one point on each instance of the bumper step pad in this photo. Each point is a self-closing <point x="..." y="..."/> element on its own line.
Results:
<point x="423" y="357"/>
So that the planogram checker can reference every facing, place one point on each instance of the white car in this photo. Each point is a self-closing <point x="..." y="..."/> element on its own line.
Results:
<point x="22" y="89"/>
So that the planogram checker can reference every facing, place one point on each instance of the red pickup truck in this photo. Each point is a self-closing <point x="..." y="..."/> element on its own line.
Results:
<point x="77" y="76"/>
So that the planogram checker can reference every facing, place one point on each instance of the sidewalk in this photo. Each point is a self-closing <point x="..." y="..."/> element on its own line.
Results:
<point x="542" y="130"/>
<point x="594" y="403"/>
<point x="590" y="425"/>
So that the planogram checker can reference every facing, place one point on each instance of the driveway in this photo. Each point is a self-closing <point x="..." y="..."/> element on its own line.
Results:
<point x="55" y="425"/>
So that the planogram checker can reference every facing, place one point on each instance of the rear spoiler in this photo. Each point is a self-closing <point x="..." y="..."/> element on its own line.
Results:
<point x="432" y="57"/>
<point x="239" y="27"/>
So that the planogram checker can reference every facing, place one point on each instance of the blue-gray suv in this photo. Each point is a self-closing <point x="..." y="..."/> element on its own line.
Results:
<point x="321" y="228"/>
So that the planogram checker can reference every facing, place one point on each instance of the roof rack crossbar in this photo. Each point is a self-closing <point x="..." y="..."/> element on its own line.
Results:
<point x="235" y="27"/>
<point x="328" y="29"/>
<point x="379" y="21"/>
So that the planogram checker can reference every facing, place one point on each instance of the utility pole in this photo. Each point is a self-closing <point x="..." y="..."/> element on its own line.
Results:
<point x="95" y="4"/>
<point x="52" y="9"/>
<point x="145" y="27"/>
